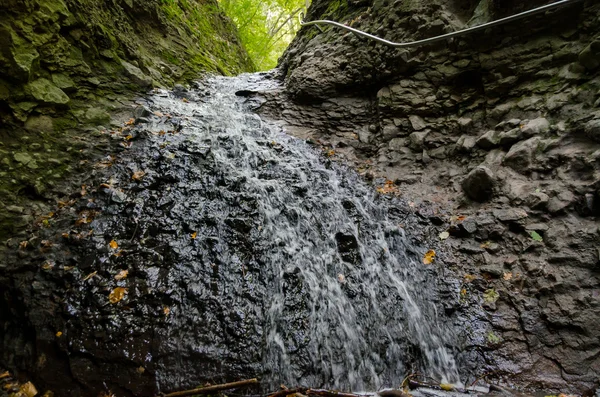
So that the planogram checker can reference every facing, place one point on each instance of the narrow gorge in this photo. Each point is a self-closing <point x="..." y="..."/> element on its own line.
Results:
<point x="355" y="219"/>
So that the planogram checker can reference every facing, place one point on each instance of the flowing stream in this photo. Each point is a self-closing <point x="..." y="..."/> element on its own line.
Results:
<point x="347" y="303"/>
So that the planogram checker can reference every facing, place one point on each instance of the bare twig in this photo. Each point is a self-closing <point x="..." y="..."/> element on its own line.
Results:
<point x="329" y="393"/>
<point x="287" y="392"/>
<point x="209" y="389"/>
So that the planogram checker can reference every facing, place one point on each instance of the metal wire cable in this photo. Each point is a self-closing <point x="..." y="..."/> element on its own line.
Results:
<point x="463" y="32"/>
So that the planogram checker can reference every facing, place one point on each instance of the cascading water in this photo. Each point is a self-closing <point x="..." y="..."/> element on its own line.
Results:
<point x="246" y="253"/>
<point x="345" y="304"/>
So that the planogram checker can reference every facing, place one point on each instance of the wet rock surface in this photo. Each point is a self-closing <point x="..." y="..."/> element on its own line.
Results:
<point x="215" y="248"/>
<point x="522" y="101"/>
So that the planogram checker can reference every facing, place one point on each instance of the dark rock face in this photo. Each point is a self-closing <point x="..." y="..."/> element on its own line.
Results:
<point x="521" y="100"/>
<point x="217" y="248"/>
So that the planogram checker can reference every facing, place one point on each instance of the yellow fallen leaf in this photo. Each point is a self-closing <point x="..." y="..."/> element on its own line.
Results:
<point x="429" y="257"/>
<point x="141" y="370"/>
<point x="113" y="244"/>
<point x="507" y="276"/>
<point x="463" y="291"/>
<point x="117" y="294"/>
<point x="28" y="390"/>
<point x="138" y="175"/>
<point x="58" y="334"/>
<point x="166" y="310"/>
<point x="446" y="387"/>
<point x="194" y="235"/>
<point x="122" y="275"/>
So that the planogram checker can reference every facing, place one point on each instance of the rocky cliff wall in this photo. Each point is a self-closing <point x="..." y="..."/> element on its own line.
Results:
<point x="67" y="65"/>
<point x="493" y="137"/>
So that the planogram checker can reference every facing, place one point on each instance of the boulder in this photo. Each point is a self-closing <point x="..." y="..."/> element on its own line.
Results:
<point x="136" y="75"/>
<point x="589" y="56"/>
<point x="416" y="140"/>
<point x="63" y="82"/>
<point x="479" y="184"/>
<point x="96" y="116"/>
<point x="466" y="143"/>
<point x="488" y="140"/>
<point x="560" y="202"/>
<point x="509" y="137"/>
<point x="521" y="155"/>
<point x="417" y="123"/>
<point x="592" y="129"/>
<point x="536" y="127"/>
<point x="46" y="92"/>
<point x="537" y="200"/>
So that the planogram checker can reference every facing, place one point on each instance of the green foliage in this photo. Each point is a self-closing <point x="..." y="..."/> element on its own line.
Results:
<point x="266" y="27"/>
<point x="535" y="235"/>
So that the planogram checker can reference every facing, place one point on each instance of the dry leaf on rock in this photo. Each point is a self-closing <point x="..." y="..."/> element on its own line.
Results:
<point x="429" y="257"/>
<point x="122" y="275"/>
<point x="28" y="390"/>
<point x="117" y="295"/>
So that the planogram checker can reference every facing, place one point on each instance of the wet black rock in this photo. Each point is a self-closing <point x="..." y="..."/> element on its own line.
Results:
<point x="479" y="184"/>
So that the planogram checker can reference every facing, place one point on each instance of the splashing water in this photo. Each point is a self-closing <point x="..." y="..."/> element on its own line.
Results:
<point x="298" y="273"/>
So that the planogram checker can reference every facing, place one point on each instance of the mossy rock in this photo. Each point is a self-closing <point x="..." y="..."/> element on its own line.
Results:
<point x="46" y="92"/>
<point x="96" y="116"/>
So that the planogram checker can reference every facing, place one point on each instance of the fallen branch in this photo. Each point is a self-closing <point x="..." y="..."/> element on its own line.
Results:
<point x="287" y="392"/>
<point x="209" y="389"/>
<point x="329" y="393"/>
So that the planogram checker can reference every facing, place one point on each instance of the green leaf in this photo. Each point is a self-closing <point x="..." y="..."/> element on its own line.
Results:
<point x="491" y="296"/>
<point x="492" y="338"/>
<point x="534" y="235"/>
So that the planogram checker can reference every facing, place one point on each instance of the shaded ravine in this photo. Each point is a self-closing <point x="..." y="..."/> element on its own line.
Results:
<point x="248" y="253"/>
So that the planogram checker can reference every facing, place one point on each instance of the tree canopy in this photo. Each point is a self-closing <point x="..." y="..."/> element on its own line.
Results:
<point x="266" y="27"/>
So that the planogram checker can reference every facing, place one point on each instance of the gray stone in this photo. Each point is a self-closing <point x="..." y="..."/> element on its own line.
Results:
<point x="416" y="140"/>
<point x="537" y="200"/>
<point x="438" y="153"/>
<point x="521" y="155"/>
<point x="560" y="202"/>
<point x="510" y="214"/>
<point x="417" y="123"/>
<point x="397" y="144"/>
<point x="479" y="184"/>
<point x="141" y="111"/>
<point x="589" y="56"/>
<point x="136" y="75"/>
<point x="45" y="91"/>
<point x="365" y="135"/>
<point x="538" y="227"/>
<point x="488" y="140"/>
<point x="390" y="131"/>
<point x="536" y="127"/>
<point x="592" y="129"/>
<point x="509" y="137"/>
<point x="466" y="143"/>
<point x="464" y="123"/>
